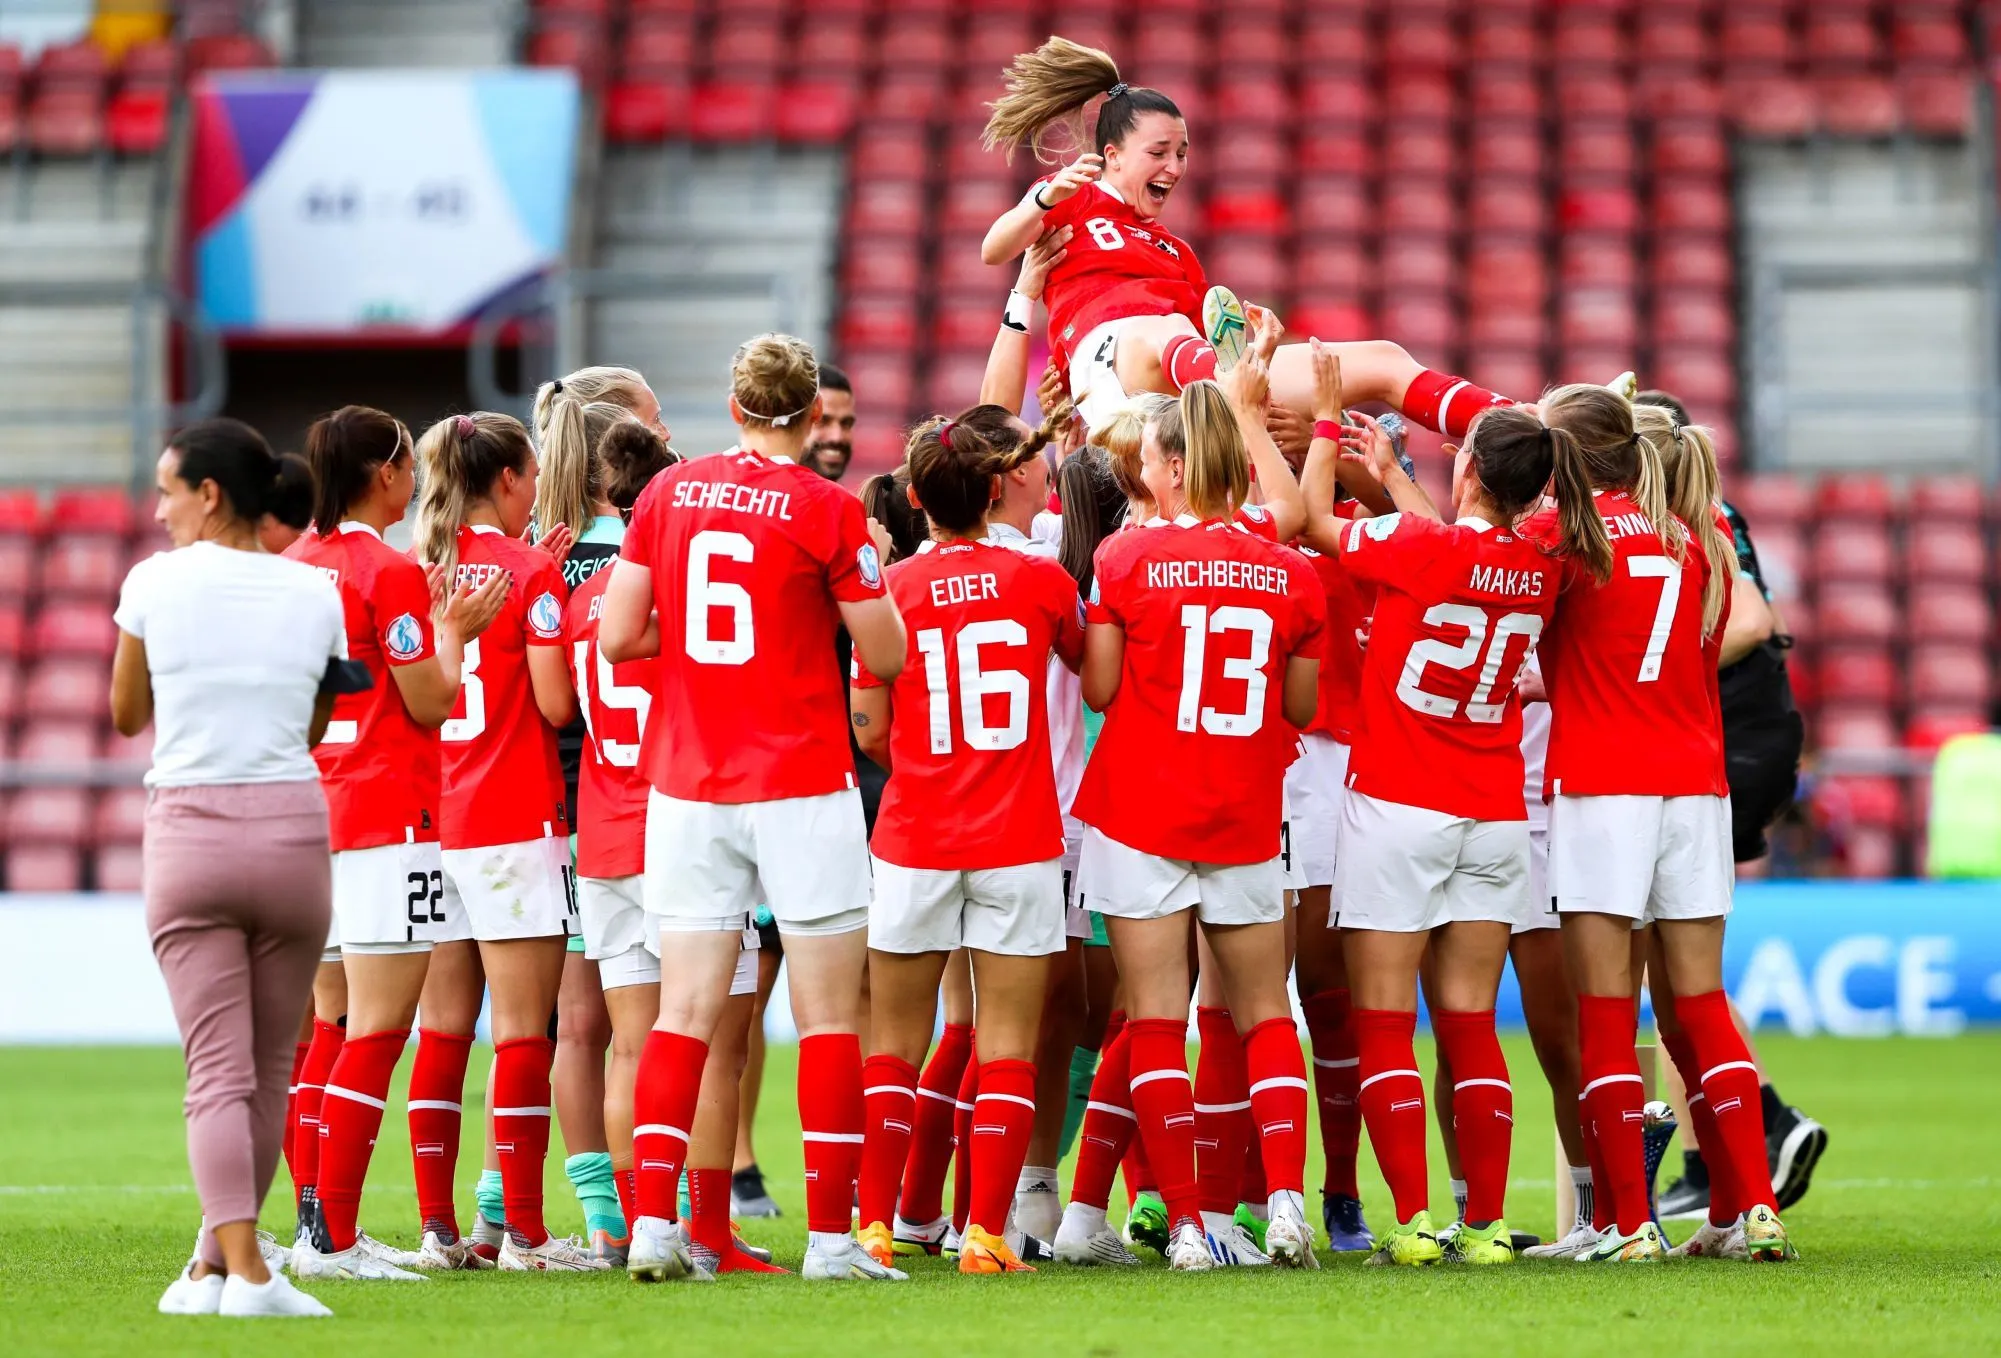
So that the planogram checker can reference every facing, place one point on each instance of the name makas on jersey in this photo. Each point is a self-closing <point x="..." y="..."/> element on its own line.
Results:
<point x="1630" y="680"/>
<point x="972" y="783"/>
<point x="1117" y="265"/>
<point x="503" y="784"/>
<point x="1459" y="608"/>
<point x="749" y="557"/>
<point x="614" y="701"/>
<point x="1191" y="762"/>
<point x="378" y="765"/>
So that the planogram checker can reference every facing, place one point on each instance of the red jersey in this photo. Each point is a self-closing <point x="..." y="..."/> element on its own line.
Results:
<point x="1458" y="610"/>
<point x="972" y="783"/>
<point x="1191" y="762"/>
<point x="1628" y="674"/>
<point x="749" y="557"/>
<point x="1337" y="714"/>
<point x="614" y="700"/>
<point x="1119" y="264"/>
<point x="503" y="784"/>
<point x="378" y="765"/>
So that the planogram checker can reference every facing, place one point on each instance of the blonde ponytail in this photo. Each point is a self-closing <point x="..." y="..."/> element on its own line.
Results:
<point x="1217" y="477"/>
<point x="1687" y="454"/>
<point x="1047" y="90"/>
<point x="458" y="460"/>
<point x="1580" y="528"/>
<point x="571" y="484"/>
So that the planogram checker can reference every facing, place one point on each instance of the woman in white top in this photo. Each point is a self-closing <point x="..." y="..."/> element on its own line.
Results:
<point x="234" y="655"/>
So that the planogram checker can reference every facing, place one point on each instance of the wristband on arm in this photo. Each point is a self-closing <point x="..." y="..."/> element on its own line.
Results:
<point x="1015" y="314"/>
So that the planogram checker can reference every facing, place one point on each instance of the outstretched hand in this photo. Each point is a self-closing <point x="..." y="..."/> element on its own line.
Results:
<point x="557" y="542"/>
<point x="1036" y="262"/>
<point x="1364" y="441"/>
<point x="1085" y="169"/>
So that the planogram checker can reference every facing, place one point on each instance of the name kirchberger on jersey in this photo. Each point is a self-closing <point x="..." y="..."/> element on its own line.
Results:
<point x="1251" y="575"/>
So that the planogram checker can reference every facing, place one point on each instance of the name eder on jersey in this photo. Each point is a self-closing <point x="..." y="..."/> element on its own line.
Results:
<point x="692" y="494"/>
<point x="1251" y="575"/>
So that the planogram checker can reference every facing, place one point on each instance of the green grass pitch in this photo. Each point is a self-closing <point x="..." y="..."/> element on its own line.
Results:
<point x="1900" y="1238"/>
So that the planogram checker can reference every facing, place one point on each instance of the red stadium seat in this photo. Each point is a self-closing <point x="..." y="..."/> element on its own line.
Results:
<point x="1338" y="149"/>
<point x="883" y="266"/>
<point x="1165" y="40"/>
<point x="1325" y="40"/>
<point x="659" y="48"/>
<point x="815" y="112"/>
<point x="1704" y="380"/>
<point x="1931" y="728"/>
<point x="895" y="150"/>
<point x="70" y="690"/>
<point x="1418" y="263"/>
<point x="973" y="204"/>
<point x="227" y="52"/>
<point x="1855" y="550"/>
<point x="1506" y="204"/>
<point x="13" y="630"/>
<point x="1505" y="93"/>
<point x="1949" y="613"/>
<point x="1954" y="498"/>
<point x="1505" y="271"/>
<point x="1858" y="497"/>
<point x="1424" y="324"/>
<point x="1593" y="96"/>
<point x="1597" y="318"/>
<point x="886" y="380"/>
<point x="1857" y="613"/>
<point x="1858" y="105"/>
<point x="73" y="629"/>
<point x="744" y="45"/>
<point x="1333" y="263"/>
<point x="21" y="513"/>
<point x="964" y="322"/>
<point x="1250" y="41"/>
<point x="119" y="867"/>
<point x="1942" y="674"/>
<point x="1251" y="265"/>
<point x="1252" y="103"/>
<point x="1928" y="35"/>
<point x="1417" y="206"/>
<point x="1864" y="801"/>
<point x="1326" y="104"/>
<point x="1259" y="211"/>
<point x="645" y="111"/>
<point x="66" y="121"/>
<point x="953" y="382"/>
<point x="104" y="509"/>
<point x="1331" y="206"/>
<point x="70" y="64"/>
<point x="1251" y="151"/>
<point x="1669" y="93"/>
<point x="1586" y="39"/>
<point x="1505" y="148"/>
<point x="1421" y="149"/>
<point x="1419" y="97"/>
<point x="1691" y="147"/>
<point x="1416" y="41"/>
<point x="887" y="323"/>
<point x="1675" y="39"/>
<point x="1936" y="104"/>
<point x="1691" y="263"/>
<point x="725" y="111"/>
<point x="1847" y="674"/>
<point x="829" y="42"/>
<point x="1755" y="36"/>
<point x="1769" y="104"/>
<point x="1504" y="39"/>
<point x="49" y="869"/>
<point x="57" y="744"/>
<point x="17" y="566"/>
<point x="879" y="208"/>
<point x="579" y="47"/>
<point x="1855" y="728"/>
<point x="904" y="96"/>
<point x="1512" y="369"/>
<point x="120" y="816"/>
<point x="1784" y="557"/>
<point x="1331" y="317"/>
<point x="1596" y="148"/>
<point x="1690" y="205"/>
<point x="1840" y="38"/>
<point x="135" y="122"/>
<point x="10" y="695"/>
<point x="1502" y="326"/>
<point x="1596" y="262"/>
<point x="961" y="272"/>
<point x="1604" y="207"/>
<point x="1695" y="319"/>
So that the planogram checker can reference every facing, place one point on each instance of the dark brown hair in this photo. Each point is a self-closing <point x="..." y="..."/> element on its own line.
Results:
<point x="1517" y="456"/>
<point x="885" y="498"/>
<point x="631" y="454"/>
<point x="253" y="480"/>
<point x="344" y="449"/>
<point x="951" y="464"/>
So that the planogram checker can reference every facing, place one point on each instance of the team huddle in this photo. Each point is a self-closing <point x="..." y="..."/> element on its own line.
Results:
<point x="1191" y="694"/>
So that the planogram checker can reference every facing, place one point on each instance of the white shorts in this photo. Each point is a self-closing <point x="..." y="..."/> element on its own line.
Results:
<point x="1121" y="881"/>
<point x="391" y="899"/>
<point x="1095" y="388"/>
<point x="621" y="939"/>
<point x="711" y="864"/>
<point x="510" y="891"/>
<point x="1646" y="858"/>
<point x="1315" y="787"/>
<point x="1076" y="919"/>
<point x="1542" y="907"/>
<point x="1016" y="911"/>
<point x="1408" y="869"/>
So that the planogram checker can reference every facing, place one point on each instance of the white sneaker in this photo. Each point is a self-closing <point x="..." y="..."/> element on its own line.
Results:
<point x="386" y="1253"/>
<point x="1289" y="1237"/>
<point x="436" y="1256"/>
<point x="948" y="1244"/>
<point x="659" y="1251"/>
<point x="188" y="1295"/>
<point x="1085" y="1238"/>
<point x="557" y="1254"/>
<point x="1230" y="1244"/>
<point x="840" y="1258"/>
<point x="353" y="1263"/>
<point x="275" y="1297"/>
<point x="1188" y="1249"/>
<point x="1038" y="1208"/>
<point x="1714" y="1242"/>
<point x="1581" y="1238"/>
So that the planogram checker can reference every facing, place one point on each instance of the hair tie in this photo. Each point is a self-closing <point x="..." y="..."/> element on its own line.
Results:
<point x="1115" y="91"/>
<point x="464" y="427"/>
<point x="555" y="386"/>
<point x="945" y="433"/>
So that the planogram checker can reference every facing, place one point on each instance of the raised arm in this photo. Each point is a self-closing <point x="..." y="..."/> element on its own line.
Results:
<point x="1022" y="225"/>
<point x="1249" y="388"/>
<point x="1006" y="378"/>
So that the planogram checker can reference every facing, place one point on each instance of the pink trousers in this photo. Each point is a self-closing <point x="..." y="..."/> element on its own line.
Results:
<point x="239" y="888"/>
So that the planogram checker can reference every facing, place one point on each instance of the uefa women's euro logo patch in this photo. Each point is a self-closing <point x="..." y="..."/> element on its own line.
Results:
<point x="869" y="564"/>
<point x="545" y="616"/>
<point x="404" y="638"/>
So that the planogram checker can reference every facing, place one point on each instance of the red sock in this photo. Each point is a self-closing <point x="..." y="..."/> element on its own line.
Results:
<point x="437" y="1091"/>
<point x="350" y="1115"/>
<point x="1003" y="1120"/>
<point x="1164" y="1102"/>
<point x="1730" y="1087"/>
<point x="1222" y="1099"/>
<point x="889" y="1100"/>
<point x="663" y="1109"/>
<point x="1724" y="1195"/>
<point x="1483" y="1108"/>
<point x="320" y="1057"/>
<point x="521" y="1131"/>
<point x="292" y="1113"/>
<point x="709" y="1208"/>
<point x="1392" y="1095"/>
<point x="1601" y="1182"/>
<point x="830" y="1120"/>
<point x="1335" y="1075"/>
<point x="1108" y="1121"/>
<point x="923" y="1195"/>
<point x="962" y="1146"/>
<point x="1278" y="1105"/>
<point x="1613" y="1099"/>
<point x="1256" y="1187"/>
<point x="628" y="1196"/>
<point x="1185" y="359"/>
<point x="1448" y="404"/>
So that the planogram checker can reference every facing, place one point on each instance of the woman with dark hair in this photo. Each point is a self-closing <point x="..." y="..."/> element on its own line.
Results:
<point x="233" y="655"/>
